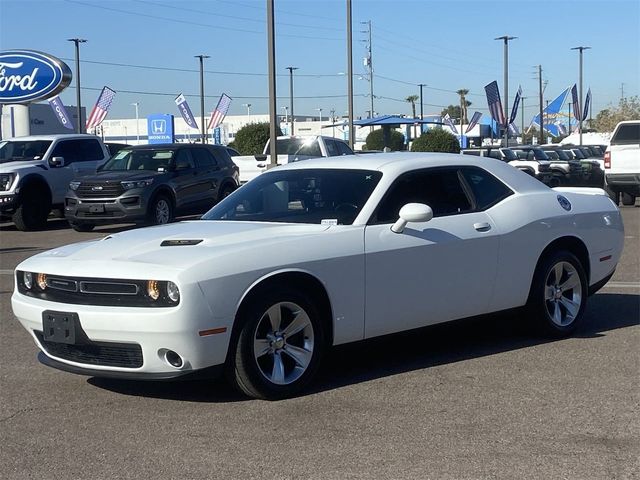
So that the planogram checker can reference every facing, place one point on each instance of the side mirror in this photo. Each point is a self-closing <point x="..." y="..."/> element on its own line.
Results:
<point x="56" y="162"/>
<point x="412" y="212"/>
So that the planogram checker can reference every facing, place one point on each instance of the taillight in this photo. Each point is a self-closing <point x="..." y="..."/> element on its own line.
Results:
<point x="607" y="159"/>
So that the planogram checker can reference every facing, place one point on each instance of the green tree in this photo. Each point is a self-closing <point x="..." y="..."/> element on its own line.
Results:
<point x="452" y="110"/>
<point x="436" y="140"/>
<point x="375" y="140"/>
<point x="251" y="139"/>
<point x="627" y="109"/>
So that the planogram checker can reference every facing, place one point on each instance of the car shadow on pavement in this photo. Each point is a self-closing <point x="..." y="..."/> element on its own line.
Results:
<point x="407" y="351"/>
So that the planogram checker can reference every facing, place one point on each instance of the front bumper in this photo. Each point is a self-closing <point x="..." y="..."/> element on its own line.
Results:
<point x="135" y="338"/>
<point x="126" y="208"/>
<point x="8" y="203"/>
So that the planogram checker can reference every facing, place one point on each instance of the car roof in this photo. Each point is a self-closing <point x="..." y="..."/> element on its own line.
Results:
<point x="59" y="136"/>
<point x="396" y="163"/>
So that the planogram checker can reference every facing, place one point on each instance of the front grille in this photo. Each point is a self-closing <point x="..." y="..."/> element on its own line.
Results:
<point x="543" y="168"/>
<point x="99" y="190"/>
<point x="107" y="354"/>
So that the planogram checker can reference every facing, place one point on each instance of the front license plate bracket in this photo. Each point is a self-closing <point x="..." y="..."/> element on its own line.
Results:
<point x="60" y="327"/>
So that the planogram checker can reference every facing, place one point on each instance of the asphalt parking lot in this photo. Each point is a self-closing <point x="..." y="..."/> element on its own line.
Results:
<point x="479" y="398"/>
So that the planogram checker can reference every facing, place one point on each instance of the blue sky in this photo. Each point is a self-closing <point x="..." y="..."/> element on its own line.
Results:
<point x="144" y="49"/>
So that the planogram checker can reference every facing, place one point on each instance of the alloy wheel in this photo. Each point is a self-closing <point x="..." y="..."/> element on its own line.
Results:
<point x="563" y="293"/>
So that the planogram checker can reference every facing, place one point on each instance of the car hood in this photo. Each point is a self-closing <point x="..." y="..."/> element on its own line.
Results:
<point x="120" y="175"/>
<point x="140" y="252"/>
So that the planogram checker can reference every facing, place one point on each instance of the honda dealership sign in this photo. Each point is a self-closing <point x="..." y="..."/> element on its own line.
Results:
<point x="160" y="128"/>
<point x="27" y="76"/>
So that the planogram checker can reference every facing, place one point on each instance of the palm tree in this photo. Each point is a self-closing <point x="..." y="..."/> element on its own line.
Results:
<point x="412" y="99"/>
<point x="463" y="104"/>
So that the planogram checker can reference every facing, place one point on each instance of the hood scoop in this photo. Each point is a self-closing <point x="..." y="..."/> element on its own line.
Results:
<point x="179" y="243"/>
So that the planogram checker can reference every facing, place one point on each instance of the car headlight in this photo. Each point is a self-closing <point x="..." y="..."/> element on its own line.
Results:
<point x="163" y="291"/>
<point x="6" y="179"/>
<point x="27" y="279"/>
<point x="74" y="185"/>
<point x="128" y="185"/>
<point x="173" y="292"/>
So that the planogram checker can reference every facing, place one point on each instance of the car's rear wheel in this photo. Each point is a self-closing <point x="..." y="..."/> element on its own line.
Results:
<point x="279" y="346"/>
<point x="628" y="199"/>
<point x="225" y="192"/>
<point x="613" y="195"/>
<point x="558" y="294"/>
<point x="160" y="210"/>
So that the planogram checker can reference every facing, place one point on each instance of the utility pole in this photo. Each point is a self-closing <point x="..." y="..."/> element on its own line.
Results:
<point x="202" y="125"/>
<point x="77" y="42"/>
<point x="350" y="71"/>
<point x="291" y="69"/>
<point x="333" y="122"/>
<point x="369" y="62"/>
<point x="541" y="133"/>
<point x="273" y="108"/>
<point x="136" y="104"/>
<point x="506" y="39"/>
<point x="522" y="99"/>
<point x="578" y="108"/>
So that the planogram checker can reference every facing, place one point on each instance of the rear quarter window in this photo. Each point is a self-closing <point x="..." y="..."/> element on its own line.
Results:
<point x="487" y="189"/>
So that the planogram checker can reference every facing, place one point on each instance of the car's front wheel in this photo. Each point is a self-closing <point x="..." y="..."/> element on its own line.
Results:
<point x="558" y="294"/>
<point x="160" y="211"/>
<point x="280" y="345"/>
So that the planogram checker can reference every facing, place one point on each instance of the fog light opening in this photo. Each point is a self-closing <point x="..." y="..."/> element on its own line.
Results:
<point x="173" y="359"/>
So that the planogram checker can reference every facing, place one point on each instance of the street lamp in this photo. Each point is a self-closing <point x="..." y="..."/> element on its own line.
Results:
<point x="421" y="85"/>
<point x="506" y="39"/>
<point x="291" y="69"/>
<point x="333" y="122"/>
<point x="77" y="42"/>
<point x="135" y="104"/>
<point x="202" y="126"/>
<point x="578" y="108"/>
<point x="320" y="110"/>
<point x="248" y="105"/>
<point x="569" y="123"/>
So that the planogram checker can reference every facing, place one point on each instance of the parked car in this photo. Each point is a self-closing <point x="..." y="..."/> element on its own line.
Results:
<point x="35" y="172"/>
<point x="622" y="163"/>
<point x="592" y="174"/>
<point x="314" y="254"/>
<point x="571" y="170"/>
<point x="151" y="183"/>
<point x="540" y="170"/>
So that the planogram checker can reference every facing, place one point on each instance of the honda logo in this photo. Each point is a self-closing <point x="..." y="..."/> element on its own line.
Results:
<point x="159" y="127"/>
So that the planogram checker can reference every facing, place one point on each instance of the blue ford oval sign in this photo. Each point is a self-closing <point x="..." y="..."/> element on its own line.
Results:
<point x="27" y="76"/>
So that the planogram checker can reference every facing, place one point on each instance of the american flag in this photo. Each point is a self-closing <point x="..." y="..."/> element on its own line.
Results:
<point x="495" y="105"/>
<point x="576" y="103"/>
<point x="516" y="104"/>
<point x="474" y="120"/>
<point x="220" y="112"/>
<point x="587" y="104"/>
<point x="101" y="108"/>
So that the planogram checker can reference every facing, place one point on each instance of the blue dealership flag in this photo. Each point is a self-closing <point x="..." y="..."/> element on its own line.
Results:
<point x="185" y="111"/>
<point x="576" y="103"/>
<point x="516" y="104"/>
<point x="495" y="105"/>
<point x="587" y="104"/>
<point x="449" y="123"/>
<point x="60" y="112"/>
<point x="474" y="120"/>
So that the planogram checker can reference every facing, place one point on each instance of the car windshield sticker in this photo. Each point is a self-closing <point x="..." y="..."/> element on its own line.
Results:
<point x="564" y="202"/>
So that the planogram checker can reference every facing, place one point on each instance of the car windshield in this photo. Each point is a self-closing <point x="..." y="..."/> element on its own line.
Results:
<point x="315" y="196"/>
<point x="552" y="155"/>
<point x="11" y="151"/>
<point x="139" y="159"/>
<point x="299" y="146"/>
<point x="509" y="154"/>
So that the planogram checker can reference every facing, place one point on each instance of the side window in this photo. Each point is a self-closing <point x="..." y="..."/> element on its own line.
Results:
<point x="90" y="150"/>
<point x="494" y="154"/>
<point x="203" y="158"/>
<point x="439" y="188"/>
<point x="332" y="149"/>
<point x="343" y="148"/>
<point x="67" y="149"/>
<point x="487" y="189"/>
<point x="184" y="160"/>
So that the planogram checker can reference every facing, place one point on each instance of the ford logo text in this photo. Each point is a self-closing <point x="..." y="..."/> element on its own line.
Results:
<point x="28" y="75"/>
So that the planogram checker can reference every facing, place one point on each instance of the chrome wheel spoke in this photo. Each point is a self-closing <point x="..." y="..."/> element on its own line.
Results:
<point x="571" y="306"/>
<point x="277" y="373"/>
<point x="557" y="314"/>
<point x="299" y="355"/>
<point x="261" y="346"/>
<point x="557" y="270"/>
<point x="299" y="323"/>
<point x="549" y="292"/>
<point x="572" y="282"/>
<point x="275" y="317"/>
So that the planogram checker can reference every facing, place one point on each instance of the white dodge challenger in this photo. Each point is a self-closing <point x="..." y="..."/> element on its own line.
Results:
<point x="314" y="254"/>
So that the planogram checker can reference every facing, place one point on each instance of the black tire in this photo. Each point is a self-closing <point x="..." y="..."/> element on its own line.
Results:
<point x="160" y="210"/>
<point x="257" y="375"/>
<point x="33" y="210"/>
<point x="225" y="192"/>
<point x="613" y="195"/>
<point x="628" y="199"/>
<point x="556" y="305"/>
<point x="82" y="227"/>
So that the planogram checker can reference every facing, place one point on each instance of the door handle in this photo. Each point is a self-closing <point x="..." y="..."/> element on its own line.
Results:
<point x="482" y="227"/>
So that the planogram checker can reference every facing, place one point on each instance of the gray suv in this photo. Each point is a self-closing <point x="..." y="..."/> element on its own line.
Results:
<point x="151" y="184"/>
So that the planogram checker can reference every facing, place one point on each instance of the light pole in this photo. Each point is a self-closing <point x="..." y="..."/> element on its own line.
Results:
<point x="421" y="114"/>
<point x="578" y="108"/>
<point x="350" y="72"/>
<point x="569" y="123"/>
<point x="506" y="39"/>
<point x="203" y="127"/>
<point x="320" y="112"/>
<point x="333" y="122"/>
<point x="248" y="105"/>
<point x="291" y="69"/>
<point x="77" y="42"/>
<point x="135" y="104"/>
<point x="286" y="116"/>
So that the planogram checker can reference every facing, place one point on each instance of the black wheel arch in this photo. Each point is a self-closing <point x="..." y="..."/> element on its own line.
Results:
<point x="571" y="244"/>
<point x="166" y="191"/>
<point x="34" y="180"/>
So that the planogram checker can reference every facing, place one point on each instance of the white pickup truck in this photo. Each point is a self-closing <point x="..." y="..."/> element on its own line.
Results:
<point x="290" y="149"/>
<point x="622" y="163"/>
